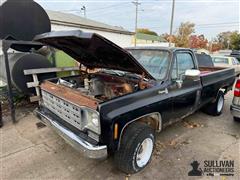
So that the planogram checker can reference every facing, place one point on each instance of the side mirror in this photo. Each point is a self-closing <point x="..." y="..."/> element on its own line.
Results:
<point x="192" y="74"/>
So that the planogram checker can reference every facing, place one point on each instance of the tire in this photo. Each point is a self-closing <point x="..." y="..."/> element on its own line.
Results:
<point x="136" y="148"/>
<point x="216" y="108"/>
<point x="237" y="119"/>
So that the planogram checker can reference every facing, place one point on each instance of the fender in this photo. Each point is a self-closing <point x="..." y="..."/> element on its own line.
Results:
<point x="224" y="90"/>
<point x="155" y="115"/>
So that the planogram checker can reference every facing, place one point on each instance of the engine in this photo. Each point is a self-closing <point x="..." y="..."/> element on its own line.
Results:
<point x="102" y="86"/>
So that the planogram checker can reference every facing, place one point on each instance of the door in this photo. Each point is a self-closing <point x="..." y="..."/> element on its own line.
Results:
<point x="185" y="91"/>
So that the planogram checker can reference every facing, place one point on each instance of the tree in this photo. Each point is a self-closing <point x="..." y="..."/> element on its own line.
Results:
<point x="183" y="33"/>
<point x="198" y="41"/>
<point x="215" y="46"/>
<point x="224" y="39"/>
<point x="167" y="37"/>
<point x="235" y="41"/>
<point x="229" y="40"/>
<point x="146" y="31"/>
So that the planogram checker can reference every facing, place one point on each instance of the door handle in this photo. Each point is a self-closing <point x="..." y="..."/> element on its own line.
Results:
<point x="165" y="91"/>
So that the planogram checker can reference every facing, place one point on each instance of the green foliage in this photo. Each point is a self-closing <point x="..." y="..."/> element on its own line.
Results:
<point x="235" y="41"/>
<point x="229" y="40"/>
<point x="146" y="31"/>
<point x="224" y="39"/>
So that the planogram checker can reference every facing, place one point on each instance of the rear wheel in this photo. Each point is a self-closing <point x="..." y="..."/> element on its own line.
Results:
<point x="236" y="119"/>
<point x="216" y="108"/>
<point x="136" y="148"/>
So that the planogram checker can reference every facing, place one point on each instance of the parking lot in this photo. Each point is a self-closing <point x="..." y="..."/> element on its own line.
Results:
<point x="28" y="152"/>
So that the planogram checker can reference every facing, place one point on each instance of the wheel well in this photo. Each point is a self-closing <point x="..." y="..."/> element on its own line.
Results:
<point x="154" y="120"/>
<point x="222" y="90"/>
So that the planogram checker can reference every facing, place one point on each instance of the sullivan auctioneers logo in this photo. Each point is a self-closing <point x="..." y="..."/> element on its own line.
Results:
<point x="212" y="168"/>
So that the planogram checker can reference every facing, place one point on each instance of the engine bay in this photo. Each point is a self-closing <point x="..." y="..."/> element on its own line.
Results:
<point x="104" y="86"/>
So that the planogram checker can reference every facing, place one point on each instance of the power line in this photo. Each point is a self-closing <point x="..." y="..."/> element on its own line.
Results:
<point x="119" y="13"/>
<point x="218" y="26"/>
<point x="233" y="25"/>
<point x="208" y="25"/>
<point x="93" y="11"/>
<point x="213" y="24"/>
<point x="107" y="13"/>
<point x="107" y="7"/>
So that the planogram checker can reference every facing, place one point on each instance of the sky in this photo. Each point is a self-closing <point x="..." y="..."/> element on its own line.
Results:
<point x="210" y="16"/>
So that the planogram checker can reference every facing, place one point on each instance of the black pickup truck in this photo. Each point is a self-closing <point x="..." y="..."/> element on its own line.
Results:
<point x="121" y="97"/>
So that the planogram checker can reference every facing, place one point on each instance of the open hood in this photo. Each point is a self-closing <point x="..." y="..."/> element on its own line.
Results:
<point x="93" y="51"/>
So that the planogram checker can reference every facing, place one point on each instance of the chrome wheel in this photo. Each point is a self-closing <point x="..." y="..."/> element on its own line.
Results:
<point x="220" y="104"/>
<point x="144" y="152"/>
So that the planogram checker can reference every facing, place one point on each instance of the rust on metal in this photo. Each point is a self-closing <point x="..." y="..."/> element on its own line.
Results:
<point x="69" y="94"/>
<point x="211" y="69"/>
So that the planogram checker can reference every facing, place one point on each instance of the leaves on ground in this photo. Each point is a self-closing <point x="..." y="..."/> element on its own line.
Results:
<point x="191" y="125"/>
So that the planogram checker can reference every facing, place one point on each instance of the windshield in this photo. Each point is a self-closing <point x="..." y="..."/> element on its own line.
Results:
<point x="156" y="62"/>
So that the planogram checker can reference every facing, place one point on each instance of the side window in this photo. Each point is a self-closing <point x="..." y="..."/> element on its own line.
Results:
<point x="220" y="60"/>
<point x="182" y="62"/>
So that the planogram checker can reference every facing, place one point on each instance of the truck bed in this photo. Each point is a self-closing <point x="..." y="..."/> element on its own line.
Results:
<point x="213" y="79"/>
<point x="207" y="70"/>
<point x="221" y="77"/>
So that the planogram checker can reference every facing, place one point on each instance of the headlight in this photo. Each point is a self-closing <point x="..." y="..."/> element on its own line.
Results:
<point x="93" y="122"/>
<point x="94" y="118"/>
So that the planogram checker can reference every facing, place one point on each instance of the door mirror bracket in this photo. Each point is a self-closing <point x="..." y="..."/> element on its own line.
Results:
<point x="179" y="83"/>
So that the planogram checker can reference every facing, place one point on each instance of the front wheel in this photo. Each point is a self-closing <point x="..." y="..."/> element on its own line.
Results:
<point x="136" y="148"/>
<point x="216" y="108"/>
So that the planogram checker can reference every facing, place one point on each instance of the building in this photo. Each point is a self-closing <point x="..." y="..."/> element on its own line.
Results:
<point x="150" y="40"/>
<point x="65" y="21"/>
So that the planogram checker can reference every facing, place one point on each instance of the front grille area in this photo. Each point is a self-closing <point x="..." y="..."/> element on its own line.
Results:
<point x="64" y="109"/>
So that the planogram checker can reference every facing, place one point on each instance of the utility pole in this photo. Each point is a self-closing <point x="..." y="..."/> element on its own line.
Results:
<point x="136" y="3"/>
<point x="211" y="45"/>
<point x="171" y="24"/>
<point x="84" y="11"/>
